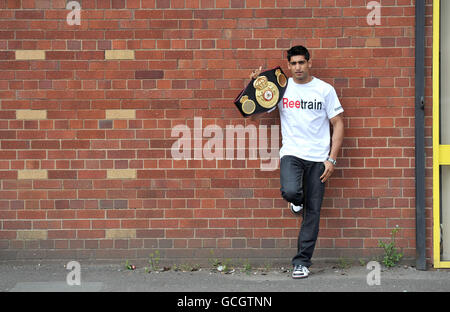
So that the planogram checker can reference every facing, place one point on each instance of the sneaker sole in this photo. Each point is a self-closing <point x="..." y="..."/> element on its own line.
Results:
<point x="295" y="212"/>
<point x="299" y="277"/>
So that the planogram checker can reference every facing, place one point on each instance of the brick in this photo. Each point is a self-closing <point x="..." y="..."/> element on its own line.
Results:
<point x="105" y="224"/>
<point x="32" y="174"/>
<point x="149" y="74"/>
<point x="29" y="214"/>
<point x="31" y="114"/>
<point x="119" y="54"/>
<point x="32" y="234"/>
<point x="120" y="234"/>
<point x="30" y="55"/>
<point x="90" y="234"/>
<point x="120" y="114"/>
<point x="62" y="174"/>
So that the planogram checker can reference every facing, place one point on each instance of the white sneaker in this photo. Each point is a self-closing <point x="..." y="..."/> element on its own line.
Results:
<point x="300" y="271"/>
<point x="295" y="209"/>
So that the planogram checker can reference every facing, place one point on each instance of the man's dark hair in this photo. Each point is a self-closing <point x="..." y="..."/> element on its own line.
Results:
<point x="298" y="50"/>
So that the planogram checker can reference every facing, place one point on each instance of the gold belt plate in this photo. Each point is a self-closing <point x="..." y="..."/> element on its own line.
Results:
<point x="267" y="93"/>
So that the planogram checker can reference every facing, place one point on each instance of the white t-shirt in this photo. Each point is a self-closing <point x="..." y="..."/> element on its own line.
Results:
<point x="305" y="111"/>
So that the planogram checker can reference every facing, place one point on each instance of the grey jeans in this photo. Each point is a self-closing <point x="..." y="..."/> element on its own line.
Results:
<point x="300" y="184"/>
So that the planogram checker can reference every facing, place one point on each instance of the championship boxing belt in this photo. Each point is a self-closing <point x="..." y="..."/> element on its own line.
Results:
<point x="263" y="93"/>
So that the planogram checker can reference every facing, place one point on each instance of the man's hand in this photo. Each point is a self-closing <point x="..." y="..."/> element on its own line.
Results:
<point x="255" y="73"/>
<point x="329" y="169"/>
<point x="336" y="143"/>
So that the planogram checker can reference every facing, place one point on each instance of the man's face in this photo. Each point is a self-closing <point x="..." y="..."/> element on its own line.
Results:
<point x="299" y="68"/>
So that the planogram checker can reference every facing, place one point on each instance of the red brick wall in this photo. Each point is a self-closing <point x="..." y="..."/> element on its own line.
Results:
<point x="190" y="59"/>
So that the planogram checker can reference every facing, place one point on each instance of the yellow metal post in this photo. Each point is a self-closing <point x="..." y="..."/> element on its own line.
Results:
<point x="441" y="153"/>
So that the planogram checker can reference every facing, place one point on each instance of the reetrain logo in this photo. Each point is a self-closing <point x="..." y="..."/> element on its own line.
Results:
<point x="300" y="104"/>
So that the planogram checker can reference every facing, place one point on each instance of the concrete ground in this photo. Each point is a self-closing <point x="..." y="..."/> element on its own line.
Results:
<point x="53" y="277"/>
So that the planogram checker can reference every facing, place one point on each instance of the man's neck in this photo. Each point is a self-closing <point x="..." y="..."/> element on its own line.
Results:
<point x="303" y="81"/>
